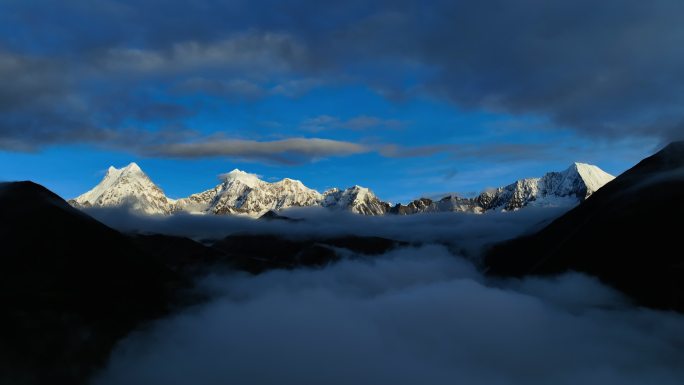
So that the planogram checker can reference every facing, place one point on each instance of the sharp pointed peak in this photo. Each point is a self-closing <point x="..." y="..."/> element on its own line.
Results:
<point x="359" y="191"/>
<point x="591" y="175"/>
<point x="290" y="181"/>
<point x="575" y="166"/>
<point x="239" y="175"/>
<point x="580" y="168"/>
<point x="132" y="167"/>
<point x="580" y="165"/>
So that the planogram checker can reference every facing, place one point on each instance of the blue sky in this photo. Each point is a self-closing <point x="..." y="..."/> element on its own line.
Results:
<point x="408" y="99"/>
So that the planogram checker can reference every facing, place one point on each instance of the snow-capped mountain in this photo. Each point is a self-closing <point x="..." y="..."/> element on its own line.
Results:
<point x="128" y="186"/>
<point x="357" y="199"/>
<point x="244" y="193"/>
<point x="574" y="184"/>
<point x="564" y="188"/>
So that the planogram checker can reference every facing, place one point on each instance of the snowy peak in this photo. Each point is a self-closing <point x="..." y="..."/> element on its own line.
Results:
<point x="240" y="176"/>
<point x="568" y="187"/>
<point x="565" y="188"/>
<point x="593" y="177"/>
<point x="290" y="182"/>
<point x="357" y="199"/>
<point x="132" y="168"/>
<point x="244" y="193"/>
<point x="127" y="186"/>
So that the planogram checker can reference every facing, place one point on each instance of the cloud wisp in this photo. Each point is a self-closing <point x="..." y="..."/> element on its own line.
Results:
<point x="285" y="151"/>
<point x="357" y="123"/>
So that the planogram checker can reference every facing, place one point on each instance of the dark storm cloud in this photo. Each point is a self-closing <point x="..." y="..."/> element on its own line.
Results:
<point x="246" y="52"/>
<point x="41" y="103"/>
<point x="611" y="68"/>
<point x="99" y="96"/>
<point x="34" y="90"/>
<point x="608" y="68"/>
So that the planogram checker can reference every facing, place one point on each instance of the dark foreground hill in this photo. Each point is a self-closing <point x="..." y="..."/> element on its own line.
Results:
<point x="71" y="287"/>
<point x="629" y="234"/>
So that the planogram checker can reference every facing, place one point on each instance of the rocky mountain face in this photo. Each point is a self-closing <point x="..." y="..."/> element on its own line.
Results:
<point x="243" y="193"/>
<point x="238" y="193"/>
<point x="128" y="186"/>
<point x="357" y="199"/>
<point x="421" y="205"/>
<point x="564" y="188"/>
<point x="576" y="183"/>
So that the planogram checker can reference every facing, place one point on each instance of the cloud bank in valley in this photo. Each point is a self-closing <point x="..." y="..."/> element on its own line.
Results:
<point x="467" y="232"/>
<point x="415" y="315"/>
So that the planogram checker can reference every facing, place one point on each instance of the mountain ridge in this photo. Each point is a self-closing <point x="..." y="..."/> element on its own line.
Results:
<point x="573" y="185"/>
<point x="127" y="186"/>
<point x="243" y="193"/>
<point x="626" y="234"/>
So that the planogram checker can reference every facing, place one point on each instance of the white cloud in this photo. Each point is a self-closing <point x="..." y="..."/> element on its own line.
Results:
<point x="416" y="315"/>
<point x="466" y="232"/>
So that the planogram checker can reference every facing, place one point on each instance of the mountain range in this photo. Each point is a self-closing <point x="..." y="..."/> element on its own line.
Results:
<point x="243" y="193"/>
<point x="73" y="287"/>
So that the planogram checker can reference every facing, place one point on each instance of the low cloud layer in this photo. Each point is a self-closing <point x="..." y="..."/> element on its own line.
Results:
<point x="418" y="314"/>
<point x="415" y="315"/>
<point x="467" y="233"/>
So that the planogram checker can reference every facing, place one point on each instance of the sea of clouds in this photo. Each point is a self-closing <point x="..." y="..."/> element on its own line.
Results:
<point x="420" y="314"/>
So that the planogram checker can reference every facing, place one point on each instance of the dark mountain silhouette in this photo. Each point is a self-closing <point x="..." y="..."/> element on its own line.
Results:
<point x="182" y="255"/>
<point x="69" y="288"/>
<point x="273" y="215"/>
<point x="258" y="253"/>
<point x="628" y="234"/>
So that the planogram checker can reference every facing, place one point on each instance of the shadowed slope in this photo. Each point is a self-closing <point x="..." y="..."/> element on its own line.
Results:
<point x="69" y="286"/>
<point x="628" y="234"/>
